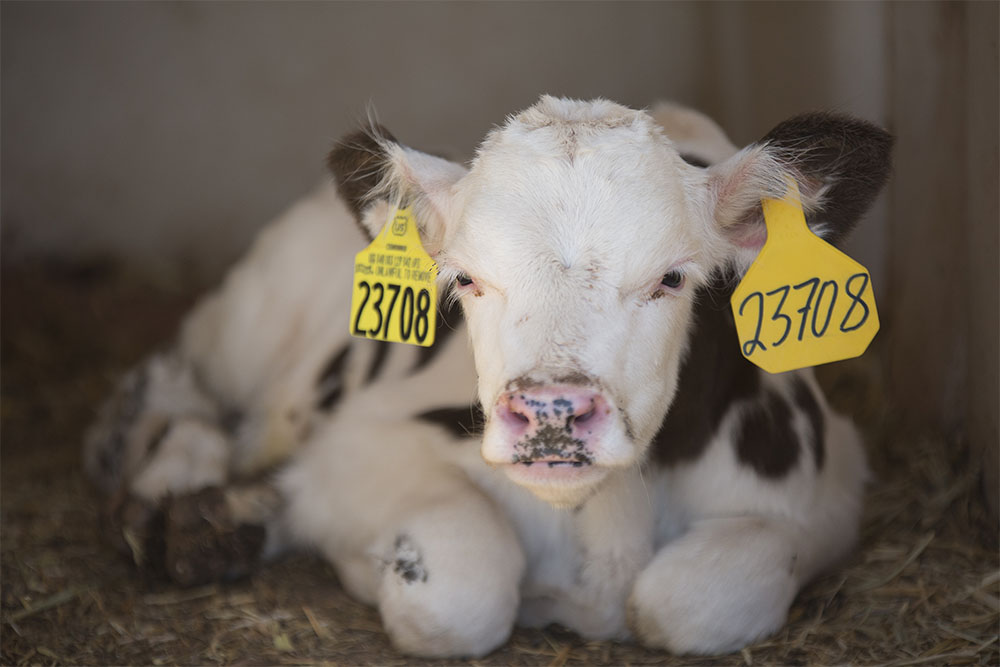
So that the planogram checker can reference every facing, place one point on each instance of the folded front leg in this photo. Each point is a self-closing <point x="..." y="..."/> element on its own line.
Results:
<point x="409" y="534"/>
<point x="720" y="586"/>
<point x="450" y="577"/>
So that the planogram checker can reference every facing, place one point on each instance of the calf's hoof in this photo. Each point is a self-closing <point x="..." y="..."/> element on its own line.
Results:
<point x="134" y="527"/>
<point x="205" y="542"/>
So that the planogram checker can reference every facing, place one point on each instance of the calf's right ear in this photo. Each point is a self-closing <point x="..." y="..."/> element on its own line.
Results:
<point x="375" y="173"/>
<point x="840" y="163"/>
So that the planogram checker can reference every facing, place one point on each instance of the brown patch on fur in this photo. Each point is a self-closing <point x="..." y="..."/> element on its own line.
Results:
<point x="357" y="162"/>
<point x="378" y="361"/>
<point x="449" y="318"/>
<point x="713" y="376"/>
<point x="330" y="383"/>
<point x="765" y="440"/>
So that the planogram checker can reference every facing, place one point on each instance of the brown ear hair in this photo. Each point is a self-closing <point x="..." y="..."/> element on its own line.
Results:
<point x="845" y="161"/>
<point x="358" y="163"/>
<point x="839" y="162"/>
<point x="374" y="172"/>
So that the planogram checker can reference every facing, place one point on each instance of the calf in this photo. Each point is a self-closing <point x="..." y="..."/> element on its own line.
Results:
<point x="602" y="457"/>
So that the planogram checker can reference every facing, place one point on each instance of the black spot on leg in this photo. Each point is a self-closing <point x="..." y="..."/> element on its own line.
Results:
<point x="806" y="402"/>
<point x="765" y="440"/>
<point x="407" y="561"/>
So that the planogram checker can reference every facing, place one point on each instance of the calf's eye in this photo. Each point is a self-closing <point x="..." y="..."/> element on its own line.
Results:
<point x="463" y="279"/>
<point x="672" y="279"/>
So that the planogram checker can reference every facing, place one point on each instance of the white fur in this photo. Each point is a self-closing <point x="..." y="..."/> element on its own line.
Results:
<point x="566" y="221"/>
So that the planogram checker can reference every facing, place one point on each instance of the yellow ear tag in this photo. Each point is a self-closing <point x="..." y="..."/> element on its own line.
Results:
<point x="802" y="302"/>
<point x="395" y="286"/>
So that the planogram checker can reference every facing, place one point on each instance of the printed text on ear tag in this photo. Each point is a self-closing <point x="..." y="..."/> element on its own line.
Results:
<point x="802" y="302"/>
<point x="395" y="286"/>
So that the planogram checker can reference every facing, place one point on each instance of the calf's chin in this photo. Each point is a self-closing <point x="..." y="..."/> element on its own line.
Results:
<point x="562" y="488"/>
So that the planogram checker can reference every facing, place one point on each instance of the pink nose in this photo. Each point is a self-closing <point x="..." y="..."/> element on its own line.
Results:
<point x="554" y="423"/>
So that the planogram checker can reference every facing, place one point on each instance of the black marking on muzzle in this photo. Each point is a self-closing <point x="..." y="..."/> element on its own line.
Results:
<point x="551" y="441"/>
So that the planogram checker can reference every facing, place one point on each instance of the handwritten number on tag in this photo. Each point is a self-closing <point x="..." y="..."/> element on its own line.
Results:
<point x="855" y="300"/>
<point x="820" y="302"/>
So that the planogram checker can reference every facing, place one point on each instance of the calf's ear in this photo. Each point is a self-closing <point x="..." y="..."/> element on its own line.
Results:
<point x="375" y="173"/>
<point x="839" y="162"/>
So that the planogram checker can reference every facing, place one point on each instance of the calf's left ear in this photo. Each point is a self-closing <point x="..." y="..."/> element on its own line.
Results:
<point x="839" y="162"/>
<point x="374" y="173"/>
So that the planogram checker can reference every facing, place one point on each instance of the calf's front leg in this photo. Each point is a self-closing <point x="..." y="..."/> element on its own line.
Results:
<point x="721" y="585"/>
<point x="449" y="580"/>
<point x="409" y="534"/>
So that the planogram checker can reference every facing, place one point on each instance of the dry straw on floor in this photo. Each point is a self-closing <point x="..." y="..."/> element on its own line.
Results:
<point x="922" y="589"/>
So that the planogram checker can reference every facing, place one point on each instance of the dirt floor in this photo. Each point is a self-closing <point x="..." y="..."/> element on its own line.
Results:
<point x="923" y="588"/>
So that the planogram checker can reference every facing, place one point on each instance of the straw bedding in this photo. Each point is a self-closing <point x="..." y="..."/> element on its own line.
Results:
<point x="922" y="588"/>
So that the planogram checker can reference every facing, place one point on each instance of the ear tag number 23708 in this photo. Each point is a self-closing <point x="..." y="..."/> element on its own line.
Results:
<point x="802" y="302"/>
<point x="395" y="286"/>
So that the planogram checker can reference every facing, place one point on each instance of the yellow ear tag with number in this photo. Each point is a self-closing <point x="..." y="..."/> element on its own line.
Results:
<point x="395" y="286"/>
<point x="802" y="302"/>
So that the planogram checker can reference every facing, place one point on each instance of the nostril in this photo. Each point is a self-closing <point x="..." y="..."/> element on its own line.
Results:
<point x="514" y="416"/>
<point x="585" y="417"/>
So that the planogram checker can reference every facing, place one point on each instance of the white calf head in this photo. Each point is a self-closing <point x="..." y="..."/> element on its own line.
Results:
<point x="576" y="242"/>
